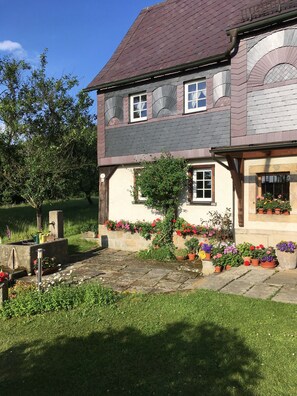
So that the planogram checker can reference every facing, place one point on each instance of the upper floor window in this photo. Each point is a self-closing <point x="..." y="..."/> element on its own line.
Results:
<point x="138" y="107"/>
<point x="201" y="184"/>
<point x="195" y="96"/>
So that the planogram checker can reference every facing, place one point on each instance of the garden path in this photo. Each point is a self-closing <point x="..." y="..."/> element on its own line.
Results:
<point x="124" y="272"/>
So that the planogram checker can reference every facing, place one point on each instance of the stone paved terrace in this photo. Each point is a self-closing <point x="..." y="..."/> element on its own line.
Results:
<point x="124" y="272"/>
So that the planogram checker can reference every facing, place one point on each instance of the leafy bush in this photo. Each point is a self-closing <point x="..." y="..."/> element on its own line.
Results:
<point x="91" y="225"/>
<point x="164" y="253"/>
<point x="28" y="302"/>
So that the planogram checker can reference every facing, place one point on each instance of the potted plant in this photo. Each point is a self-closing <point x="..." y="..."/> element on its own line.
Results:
<point x="257" y="252"/>
<point x="180" y="254"/>
<point x="268" y="260"/>
<point x="206" y="248"/>
<point x="286" y="207"/>
<point x="192" y="245"/>
<point x="244" y="249"/>
<point x="287" y="254"/>
<point x="260" y="205"/>
<point x="219" y="261"/>
<point x="4" y="276"/>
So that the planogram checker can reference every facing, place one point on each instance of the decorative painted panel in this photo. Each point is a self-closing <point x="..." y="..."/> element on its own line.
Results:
<point x="221" y="85"/>
<point x="164" y="101"/>
<point x="113" y="109"/>
<point x="284" y="38"/>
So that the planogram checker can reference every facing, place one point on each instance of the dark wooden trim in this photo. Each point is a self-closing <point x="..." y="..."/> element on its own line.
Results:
<point x="108" y="171"/>
<point x="237" y="174"/>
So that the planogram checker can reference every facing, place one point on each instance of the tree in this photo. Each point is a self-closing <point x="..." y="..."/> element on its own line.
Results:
<point x="162" y="182"/>
<point x="42" y="121"/>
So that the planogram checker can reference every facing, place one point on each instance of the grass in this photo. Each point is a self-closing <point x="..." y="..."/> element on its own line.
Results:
<point x="21" y="221"/>
<point x="201" y="343"/>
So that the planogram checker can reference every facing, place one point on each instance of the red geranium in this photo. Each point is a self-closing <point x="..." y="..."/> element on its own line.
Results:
<point x="3" y="276"/>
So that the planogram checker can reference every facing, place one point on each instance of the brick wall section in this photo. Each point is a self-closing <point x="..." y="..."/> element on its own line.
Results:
<point x="239" y="92"/>
<point x="180" y="99"/>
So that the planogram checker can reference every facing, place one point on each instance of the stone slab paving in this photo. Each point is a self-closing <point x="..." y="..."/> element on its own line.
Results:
<point x="125" y="273"/>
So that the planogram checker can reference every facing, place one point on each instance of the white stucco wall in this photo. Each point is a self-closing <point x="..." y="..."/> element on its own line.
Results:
<point x="121" y="204"/>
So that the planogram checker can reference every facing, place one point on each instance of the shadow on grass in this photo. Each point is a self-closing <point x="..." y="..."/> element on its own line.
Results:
<point x="181" y="359"/>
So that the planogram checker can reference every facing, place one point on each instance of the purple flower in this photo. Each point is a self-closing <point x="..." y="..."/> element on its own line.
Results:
<point x="286" y="246"/>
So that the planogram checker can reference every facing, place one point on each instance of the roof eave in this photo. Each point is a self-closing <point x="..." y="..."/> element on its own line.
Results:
<point x="160" y="73"/>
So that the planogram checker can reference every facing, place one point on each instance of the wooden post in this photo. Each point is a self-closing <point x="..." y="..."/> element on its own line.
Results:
<point x="237" y="173"/>
<point x="105" y="173"/>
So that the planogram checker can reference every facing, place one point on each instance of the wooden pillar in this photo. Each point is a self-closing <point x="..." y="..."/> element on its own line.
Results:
<point x="237" y="173"/>
<point x="105" y="173"/>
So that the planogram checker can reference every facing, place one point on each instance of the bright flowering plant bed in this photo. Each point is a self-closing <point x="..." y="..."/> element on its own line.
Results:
<point x="47" y="262"/>
<point x="257" y="252"/>
<point x="287" y="246"/>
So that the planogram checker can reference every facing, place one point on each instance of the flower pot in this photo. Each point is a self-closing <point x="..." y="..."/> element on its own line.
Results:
<point x="286" y="212"/>
<point x="269" y="211"/>
<point x="180" y="258"/>
<point x="191" y="256"/>
<point x="268" y="264"/>
<point x="207" y="256"/>
<point x="218" y="268"/>
<point x="228" y="267"/>
<point x="287" y="260"/>
<point x="260" y="211"/>
<point x="246" y="263"/>
<point x="255" y="262"/>
<point x="277" y="211"/>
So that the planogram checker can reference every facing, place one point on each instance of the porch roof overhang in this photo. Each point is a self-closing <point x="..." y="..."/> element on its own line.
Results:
<point x="251" y="151"/>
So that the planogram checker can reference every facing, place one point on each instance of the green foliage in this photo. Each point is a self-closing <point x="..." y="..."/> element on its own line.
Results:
<point x="91" y="225"/>
<point x="222" y="222"/>
<point x="163" y="253"/>
<point x="28" y="302"/>
<point x="244" y="249"/>
<point x="162" y="182"/>
<point x="192" y="245"/>
<point x="42" y="123"/>
<point x="180" y="252"/>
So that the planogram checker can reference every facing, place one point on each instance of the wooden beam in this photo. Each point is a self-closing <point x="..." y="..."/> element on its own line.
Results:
<point x="237" y="174"/>
<point x="105" y="173"/>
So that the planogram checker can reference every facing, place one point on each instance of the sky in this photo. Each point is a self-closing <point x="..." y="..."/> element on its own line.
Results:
<point x="80" y="35"/>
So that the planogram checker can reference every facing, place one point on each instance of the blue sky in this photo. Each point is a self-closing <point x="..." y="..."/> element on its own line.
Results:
<point x="80" y="35"/>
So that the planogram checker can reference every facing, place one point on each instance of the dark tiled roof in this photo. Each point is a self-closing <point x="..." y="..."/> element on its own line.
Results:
<point x="172" y="33"/>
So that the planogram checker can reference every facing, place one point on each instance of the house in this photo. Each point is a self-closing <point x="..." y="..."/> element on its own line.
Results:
<point x="217" y="85"/>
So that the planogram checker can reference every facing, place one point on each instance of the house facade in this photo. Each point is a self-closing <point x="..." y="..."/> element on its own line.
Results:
<point x="216" y="86"/>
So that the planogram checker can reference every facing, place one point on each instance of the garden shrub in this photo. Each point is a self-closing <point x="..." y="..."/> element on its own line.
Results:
<point x="163" y="253"/>
<point x="28" y="302"/>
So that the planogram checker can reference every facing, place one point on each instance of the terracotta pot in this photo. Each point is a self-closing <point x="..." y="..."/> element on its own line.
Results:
<point x="269" y="211"/>
<point x="260" y="211"/>
<point x="255" y="262"/>
<point x="207" y="256"/>
<point x="268" y="264"/>
<point x="218" y="268"/>
<point x="191" y="256"/>
<point x="228" y="267"/>
<point x="277" y="211"/>
<point x="180" y="258"/>
<point x="286" y="212"/>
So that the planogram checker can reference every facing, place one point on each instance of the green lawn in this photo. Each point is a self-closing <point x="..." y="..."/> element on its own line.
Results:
<point x="201" y="343"/>
<point x="77" y="212"/>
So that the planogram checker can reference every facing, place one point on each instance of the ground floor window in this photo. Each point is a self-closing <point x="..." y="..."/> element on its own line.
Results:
<point x="277" y="185"/>
<point x="201" y="184"/>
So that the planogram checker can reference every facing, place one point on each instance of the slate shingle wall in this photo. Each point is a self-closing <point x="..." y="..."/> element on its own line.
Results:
<point x="186" y="133"/>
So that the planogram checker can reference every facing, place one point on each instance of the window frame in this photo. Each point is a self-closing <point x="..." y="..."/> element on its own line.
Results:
<point x="259" y="176"/>
<point x="201" y="201"/>
<point x="131" y="107"/>
<point x="188" y="110"/>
